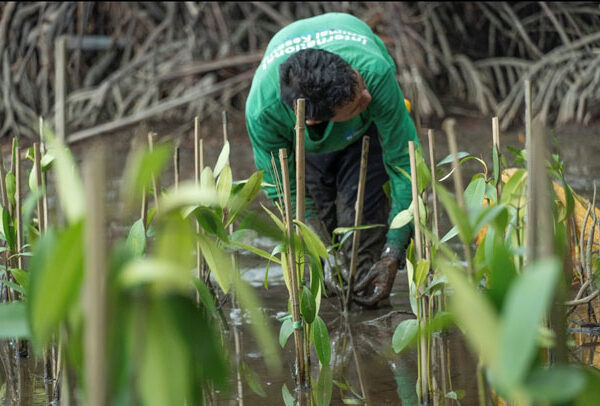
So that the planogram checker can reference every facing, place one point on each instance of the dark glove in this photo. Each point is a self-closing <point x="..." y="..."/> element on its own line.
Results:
<point x="335" y="267"/>
<point x="378" y="284"/>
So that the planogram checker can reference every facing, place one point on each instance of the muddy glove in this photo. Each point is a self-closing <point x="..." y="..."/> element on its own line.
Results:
<point x="380" y="279"/>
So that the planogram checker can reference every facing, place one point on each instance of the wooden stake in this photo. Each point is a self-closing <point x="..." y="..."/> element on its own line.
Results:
<point x="38" y="179"/>
<point x="176" y="167"/>
<point x="415" y="201"/>
<point x="436" y="228"/>
<point x="95" y="283"/>
<point x="531" y="225"/>
<point x="151" y="139"/>
<point x="496" y="141"/>
<point x="358" y="214"/>
<point x="300" y="161"/>
<point x="60" y="84"/>
<point x="292" y="267"/>
<point x="17" y="214"/>
<point x="44" y="183"/>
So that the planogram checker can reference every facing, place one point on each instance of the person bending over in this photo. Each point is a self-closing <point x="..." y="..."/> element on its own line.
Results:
<point x="347" y="78"/>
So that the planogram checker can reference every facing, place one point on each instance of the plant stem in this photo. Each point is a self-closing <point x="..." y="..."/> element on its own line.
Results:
<point x="18" y="218"/>
<point x="496" y="142"/>
<point x="292" y="268"/>
<point x="151" y="139"/>
<point x="358" y="212"/>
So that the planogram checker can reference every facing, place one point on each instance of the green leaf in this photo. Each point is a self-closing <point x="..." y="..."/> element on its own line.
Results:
<point x="163" y="276"/>
<point x="186" y="195"/>
<point x="288" y="398"/>
<point x="217" y="260"/>
<point x="141" y="167"/>
<point x="68" y="182"/>
<point x="422" y="271"/>
<point x="308" y="307"/>
<point x="312" y="241"/>
<point x="449" y="158"/>
<point x="475" y="315"/>
<point x="163" y="345"/>
<point x="252" y="380"/>
<point x="475" y="192"/>
<point x="224" y="186"/>
<point x="14" y="286"/>
<point x="13" y="320"/>
<point x="241" y="199"/>
<point x="458" y="216"/>
<point x="205" y="296"/>
<point x="210" y="222"/>
<point x="456" y="395"/>
<point x="56" y="274"/>
<point x="176" y="242"/>
<point x="136" y="240"/>
<point x="403" y="218"/>
<point x="286" y="330"/>
<point x="22" y="277"/>
<point x="324" y="387"/>
<point x="557" y="384"/>
<point x="8" y="229"/>
<point x="223" y="159"/>
<point x="513" y="187"/>
<point x="533" y="292"/>
<point x="321" y="340"/>
<point x="453" y="232"/>
<point x="11" y="187"/>
<point x="405" y="334"/>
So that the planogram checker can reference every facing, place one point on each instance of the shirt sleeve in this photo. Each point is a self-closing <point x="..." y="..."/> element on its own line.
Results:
<point x="395" y="128"/>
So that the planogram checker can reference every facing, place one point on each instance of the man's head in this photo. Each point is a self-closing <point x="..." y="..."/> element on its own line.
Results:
<point x="333" y="90"/>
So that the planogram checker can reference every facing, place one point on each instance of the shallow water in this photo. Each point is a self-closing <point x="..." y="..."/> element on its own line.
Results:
<point x="390" y="378"/>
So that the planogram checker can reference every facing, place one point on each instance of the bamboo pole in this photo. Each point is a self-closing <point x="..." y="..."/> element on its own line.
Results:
<point x="292" y="268"/>
<point x="60" y="84"/>
<point x="358" y="214"/>
<point x="151" y="140"/>
<point x="44" y="182"/>
<point x="18" y="217"/>
<point x="176" y="167"/>
<point x="197" y="170"/>
<point x="95" y="283"/>
<point x="496" y="142"/>
<point x="415" y="200"/>
<point x="300" y="161"/>
<point x="430" y="136"/>
<point x="531" y="225"/>
<point x="38" y="180"/>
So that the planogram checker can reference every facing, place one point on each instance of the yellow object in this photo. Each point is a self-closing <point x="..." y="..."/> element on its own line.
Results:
<point x="407" y="104"/>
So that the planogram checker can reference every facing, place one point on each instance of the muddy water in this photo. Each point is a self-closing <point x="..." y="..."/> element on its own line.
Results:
<point x="388" y="378"/>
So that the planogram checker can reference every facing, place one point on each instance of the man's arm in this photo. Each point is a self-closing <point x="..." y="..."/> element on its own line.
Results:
<point x="395" y="128"/>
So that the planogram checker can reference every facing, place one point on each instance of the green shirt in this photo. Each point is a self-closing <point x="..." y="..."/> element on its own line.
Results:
<point x="270" y="122"/>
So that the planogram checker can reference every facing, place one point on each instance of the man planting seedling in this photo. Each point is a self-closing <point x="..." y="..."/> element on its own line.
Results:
<point x="347" y="78"/>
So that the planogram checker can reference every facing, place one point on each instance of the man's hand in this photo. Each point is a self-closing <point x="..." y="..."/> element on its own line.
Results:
<point x="378" y="283"/>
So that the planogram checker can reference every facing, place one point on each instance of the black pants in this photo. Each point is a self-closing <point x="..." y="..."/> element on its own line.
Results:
<point x="332" y="182"/>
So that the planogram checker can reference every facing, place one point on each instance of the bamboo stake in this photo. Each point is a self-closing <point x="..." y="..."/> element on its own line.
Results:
<point x="38" y="180"/>
<point x="300" y="161"/>
<point x="18" y="218"/>
<point x="292" y="268"/>
<point x="496" y="142"/>
<point x="531" y="226"/>
<point x="415" y="199"/>
<point x="176" y="167"/>
<point x="197" y="170"/>
<point x="60" y="84"/>
<point x="151" y="139"/>
<point x="358" y="214"/>
<point x="44" y="183"/>
<point x="436" y="228"/>
<point x="95" y="284"/>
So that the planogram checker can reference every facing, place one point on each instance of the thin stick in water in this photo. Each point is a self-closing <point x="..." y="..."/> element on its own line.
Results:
<point x="358" y="213"/>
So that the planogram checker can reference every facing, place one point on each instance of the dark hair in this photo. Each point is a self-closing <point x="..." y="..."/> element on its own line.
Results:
<point x="322" y="78"/>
